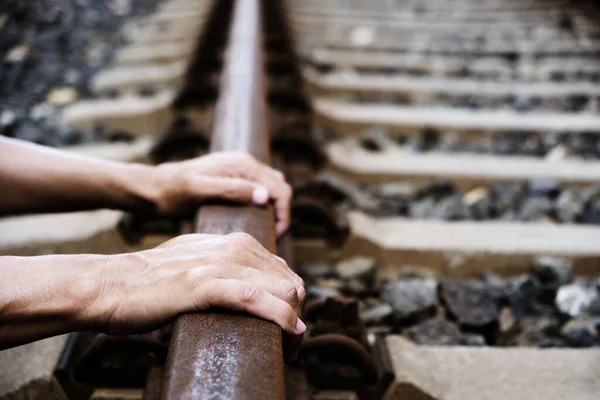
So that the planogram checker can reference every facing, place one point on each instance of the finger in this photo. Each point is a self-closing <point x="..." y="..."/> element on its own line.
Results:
<point x="233" y="189"/>
<point x="243" y="296"/>
<point x="279" y="287"/>
<point x="278" y="189"/>
<point x="294" y="278"/>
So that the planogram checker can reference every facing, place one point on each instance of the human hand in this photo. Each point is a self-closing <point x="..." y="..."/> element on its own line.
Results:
<point x="235" y="176"/>
<point x="142" y="291"/>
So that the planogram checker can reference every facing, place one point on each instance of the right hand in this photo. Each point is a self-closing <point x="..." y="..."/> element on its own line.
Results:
<point x="144" y="290"/>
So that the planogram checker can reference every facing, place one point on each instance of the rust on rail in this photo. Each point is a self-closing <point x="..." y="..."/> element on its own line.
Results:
<point x="222" y="355"/>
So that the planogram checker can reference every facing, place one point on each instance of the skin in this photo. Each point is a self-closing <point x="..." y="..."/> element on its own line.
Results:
<point x="138" y="292"/>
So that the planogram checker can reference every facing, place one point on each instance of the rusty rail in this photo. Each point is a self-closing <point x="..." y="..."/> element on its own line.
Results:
<point x="221" y="355"/>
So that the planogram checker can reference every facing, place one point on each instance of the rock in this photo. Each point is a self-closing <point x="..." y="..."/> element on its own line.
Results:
<point x="404" y="190"/>
<point x="369" y="144"/>
<point x="438" y="190"/>
<point x="61" y="96"/>
<point x="508" y="324"/>
<point x="415" y="272"/>
<point x="391" y="207"/>
<point x="313" y="271"/>
<point x="553" y="270"/>
<point x="470" y="305"/>
<point x="363" y="268"/>
<point x="569" y="206"/>
<point x="522" y="292"/>
<point x="523" y="103"/>
<point x="332" y="283"/>
<point x="317" y="292"/>
<point x="379" y="330"/>
<point x="451" y="209"/>
<point x="7" y="117"/>
<point x="121" y="7"/>
<point x="505" y="198"/>
<point x="592" y="216"/>
<point x="478" y="202"/>
<point x="557" y="153"/>
<point x="537" y="331"/>
<point x="472" y="340"/>
<point x="534" y="208"/>
<point x="41" y="111"/>
<point x="579" y="333"/>
<point x="373" y="139"/>
<point x="495" y="286"/>
<point x="17" y="53"/>
<point x="575" y="299"/>
<point x="422" y="209"/>
<point x="436" y="332"/>
<point x="410" y="298"/>
<point x="544" y="187"/>
<point x="356" y="287"/>
<point x="376" y="314"/>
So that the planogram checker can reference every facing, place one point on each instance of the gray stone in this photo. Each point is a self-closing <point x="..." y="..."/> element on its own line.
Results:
<point x="469" y="304"/>
<point x="575" y="299"/>
<point x="495" y="286"/>
<point x="478" y="202"/>
<point x="356" y="286"/>
<point x="313" y="271"/>
<point x="451" y="209"/>
<point x="376" y="314"/>
<point x="363" y="268"/>
<point x="536" y="332"/>
<point x="422" y="209"/>
<point x="553" y="270"/>
<point x="437" y="332"/>
<point x="569" y="206"/>
<point x="406" y="190"/>
<point x="508" y="323"/>
<point x="533" y="208"/>
<point x="410" y="298"/>
<point x="544" y="187"/>
<point x="316" y="292"/>
<point x="579" y="333"/>
<point x="522" y="292"/>
<point x="505" y="197"/>
<point x="472" y="340"/>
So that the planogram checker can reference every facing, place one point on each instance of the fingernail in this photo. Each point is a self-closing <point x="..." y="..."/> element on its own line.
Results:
<point x="260" y="195"/>
<point x="300" y="327"/>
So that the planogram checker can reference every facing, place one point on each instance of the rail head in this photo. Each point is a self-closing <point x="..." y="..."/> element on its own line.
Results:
<point x="222" y="355"/>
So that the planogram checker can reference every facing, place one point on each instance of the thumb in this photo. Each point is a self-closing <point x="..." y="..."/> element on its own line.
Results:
<point x="234" y="189"/>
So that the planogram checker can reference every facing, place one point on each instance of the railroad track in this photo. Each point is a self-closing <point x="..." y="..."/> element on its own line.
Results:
<point x="429" y="144"/>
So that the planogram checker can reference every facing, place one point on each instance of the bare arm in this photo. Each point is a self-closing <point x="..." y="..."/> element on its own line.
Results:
<point x="137" y="292"/>
<point x="38" y="179"/>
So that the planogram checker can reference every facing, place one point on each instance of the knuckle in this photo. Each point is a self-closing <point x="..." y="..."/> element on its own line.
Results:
<point x="289" y="192"/>
<point x="299" y="282"/>
<point x="290" y="293"/>
<point x="195" y="277"/>
<point x="251" y="294"/>
<point x="244" y="239"/>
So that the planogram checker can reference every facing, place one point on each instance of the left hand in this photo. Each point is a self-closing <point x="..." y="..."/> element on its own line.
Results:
<point x="235" y="176"/>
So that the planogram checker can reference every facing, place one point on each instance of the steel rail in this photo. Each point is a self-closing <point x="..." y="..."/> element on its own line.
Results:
<point x="222" y="355"/>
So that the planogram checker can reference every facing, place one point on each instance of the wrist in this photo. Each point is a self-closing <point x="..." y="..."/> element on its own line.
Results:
<point x="140" y="192"/>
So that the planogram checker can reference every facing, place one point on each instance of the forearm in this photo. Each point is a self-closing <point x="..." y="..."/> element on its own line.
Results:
<point x="47" y="295"/>
<point x="38" y="179"/>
